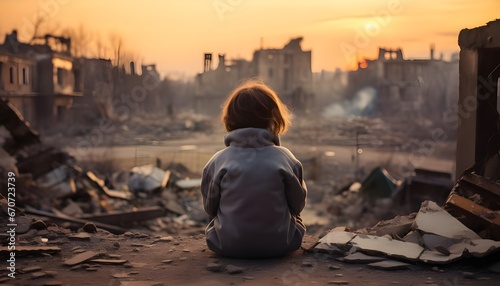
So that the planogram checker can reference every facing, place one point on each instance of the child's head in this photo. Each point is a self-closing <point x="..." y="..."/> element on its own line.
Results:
<point x="254" y="104"/>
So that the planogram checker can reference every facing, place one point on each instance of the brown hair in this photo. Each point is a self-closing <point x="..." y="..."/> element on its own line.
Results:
<point x="254" y="104"/>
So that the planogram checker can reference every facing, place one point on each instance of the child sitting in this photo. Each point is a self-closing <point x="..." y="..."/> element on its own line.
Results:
<point x="253" y="190"/>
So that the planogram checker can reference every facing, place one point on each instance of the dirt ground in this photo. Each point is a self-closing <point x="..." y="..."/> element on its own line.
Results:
<point x="185" y="261"/>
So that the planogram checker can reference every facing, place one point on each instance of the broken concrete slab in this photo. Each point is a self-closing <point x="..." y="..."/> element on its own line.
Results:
<point x="399" y="226"/>
<point x="337" y="237"/>
<point x="387" y="246"/>
<point x="433" y="256"/>
<point x="359" y="257"/>
<point x="389" y="265"/>
<point x="80" y="258"/>
<point x="335" y="242"/>
<point x="431" y="218"/>
<point x="482" y="247"/>
<point x="433" y="241"/>
<point x="413" y="237"/>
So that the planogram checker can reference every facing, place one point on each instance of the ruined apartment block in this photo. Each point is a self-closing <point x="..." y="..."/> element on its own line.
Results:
<point x="40" y="78"/>
<point x="420" y="87"/>
<point x="286" y="70"/>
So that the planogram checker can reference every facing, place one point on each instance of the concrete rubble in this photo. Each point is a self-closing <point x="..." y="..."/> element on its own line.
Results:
<point x="436" y="238"/>
<point x="53" y="187"/>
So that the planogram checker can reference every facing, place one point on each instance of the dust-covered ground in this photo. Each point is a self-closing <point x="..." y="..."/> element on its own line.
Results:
<point x="139" y="259"/>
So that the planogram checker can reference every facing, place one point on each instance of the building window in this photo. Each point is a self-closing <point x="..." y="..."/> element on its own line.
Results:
<point x="25" y="75"/>
<point x="60" y="75"/>
<point x="77" y="81"/>
<point x="270" y="73"/>
<point x="11" y="74"/>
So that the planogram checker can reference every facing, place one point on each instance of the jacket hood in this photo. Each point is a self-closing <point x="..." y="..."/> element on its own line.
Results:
<point x="251" y="138"/>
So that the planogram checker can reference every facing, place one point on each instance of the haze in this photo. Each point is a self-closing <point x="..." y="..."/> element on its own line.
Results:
<point x="175" y="34"/>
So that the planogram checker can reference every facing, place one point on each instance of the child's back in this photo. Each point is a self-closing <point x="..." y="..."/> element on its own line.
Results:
<point x="254" y="191"/>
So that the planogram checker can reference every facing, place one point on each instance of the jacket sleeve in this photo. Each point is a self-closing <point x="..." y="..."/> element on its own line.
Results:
<point x="295" y="189"/>
<point x="210" y="190"/>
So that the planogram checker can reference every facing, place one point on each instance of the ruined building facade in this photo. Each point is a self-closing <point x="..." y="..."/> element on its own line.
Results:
<point x="41" y="79"/>
<point x="49" y="86"/>
<point x="418" y="87"/>
<point x="287" y="71"/>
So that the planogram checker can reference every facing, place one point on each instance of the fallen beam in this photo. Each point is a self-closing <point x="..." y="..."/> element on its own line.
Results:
<point x="127" y="218"/>
<point x="474" y="216"/>
<point x="487" y="189"/>
<point x="77" y="221"/>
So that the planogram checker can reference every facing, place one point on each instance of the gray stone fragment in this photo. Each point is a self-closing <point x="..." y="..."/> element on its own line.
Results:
<point x="232" y="269"/>
<point x="215" y="267"/>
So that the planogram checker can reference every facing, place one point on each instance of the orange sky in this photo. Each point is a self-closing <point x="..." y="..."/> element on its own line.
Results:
<point x="174" y="34"/>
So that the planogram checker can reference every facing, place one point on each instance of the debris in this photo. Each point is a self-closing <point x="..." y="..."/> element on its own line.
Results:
<point x="358" y="257"/>
<point x="431" y="218"/>
<point x="109" y="261"/>
<point x="379" y="184"/>
<point x="21" y="250"/>
<point x="474" y="200"/>
<point x="38" y="224"/>
<point x="424" y="185"/>
<point x="80" y="258"/>
<point x="127" y="218"/>
<point x="389" y="265"/>
<point x="31" y="269"/>
<point x="232" y="269"/>
<point x="167" y="261"/>
<point x="80" y="222"/>
<point x="215" y="267"/>
<point x="390" y="247"/>
<point x="335" y="241"/>
<point x="166" y="238"/>
<point x="399" y="226"/>
<point x="334" y="267"/>
<point x="80" y="236"/>
<point x="89" y="227"/>
<point x="39" y="274"/>
<point x="147" y="178"/>
<point x="307" y="263"/>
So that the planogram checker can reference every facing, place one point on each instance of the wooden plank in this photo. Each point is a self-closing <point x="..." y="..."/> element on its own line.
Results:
<point x="475" y="216"/>
<point x="127" y="218"/>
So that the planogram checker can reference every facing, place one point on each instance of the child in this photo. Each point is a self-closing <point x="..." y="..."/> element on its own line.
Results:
<point x="253" y="190"/>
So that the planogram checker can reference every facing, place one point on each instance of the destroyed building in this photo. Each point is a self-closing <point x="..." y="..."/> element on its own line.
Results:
<point x="286" y="70"/>
<point x="41" y="79"/>
<point x="420" y="87"/>
<point x="49" y="85"/>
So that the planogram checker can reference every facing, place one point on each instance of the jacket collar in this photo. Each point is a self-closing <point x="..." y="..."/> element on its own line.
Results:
<point x="251" y="138"/>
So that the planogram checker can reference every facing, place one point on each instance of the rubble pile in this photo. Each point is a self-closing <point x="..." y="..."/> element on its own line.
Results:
<point x="142" y="129"/>
<point x="432" y="235"/>
<point x="51" y="185"/>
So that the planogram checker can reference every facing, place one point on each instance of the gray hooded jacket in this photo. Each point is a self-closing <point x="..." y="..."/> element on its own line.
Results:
<point x="253" y="191"/>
